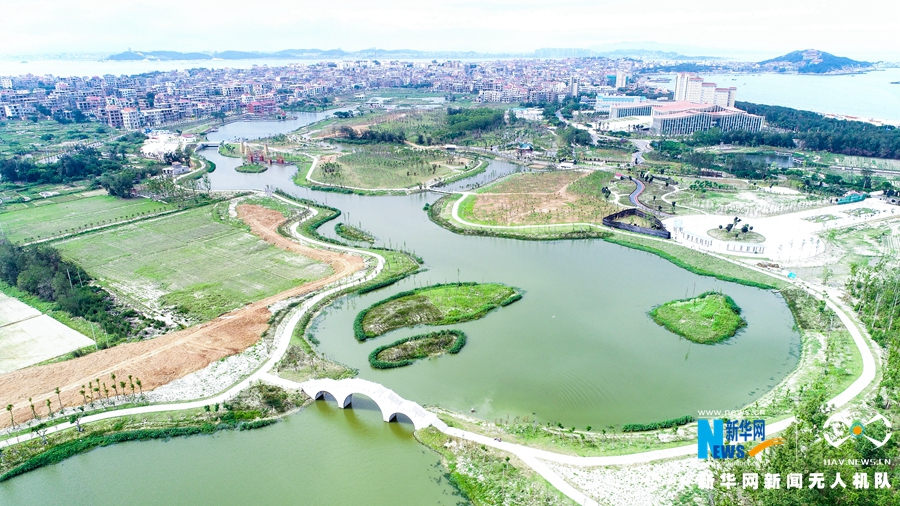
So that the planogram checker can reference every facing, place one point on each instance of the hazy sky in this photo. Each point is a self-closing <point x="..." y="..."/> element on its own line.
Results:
<point x="862" y="29"/>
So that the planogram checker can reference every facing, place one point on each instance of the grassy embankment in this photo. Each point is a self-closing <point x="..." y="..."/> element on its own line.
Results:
<point x="406" y="351"/>
<point x="442" y="304"/>
<point x="351" y="233"/>
<point x="398" y="264"/>
<point x="230" y="149"/>
<point x="708" y="318"/>
<point x="487" y="476"/>
<point x="192" y="264"/>
<point x="253" y="408"/>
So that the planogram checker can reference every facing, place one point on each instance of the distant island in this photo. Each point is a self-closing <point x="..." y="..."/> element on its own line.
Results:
<point x="314" y="54"/>
<point x="813" y="61"/>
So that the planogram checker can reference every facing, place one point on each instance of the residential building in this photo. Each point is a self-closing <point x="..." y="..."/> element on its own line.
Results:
<point x="131" y="118"/>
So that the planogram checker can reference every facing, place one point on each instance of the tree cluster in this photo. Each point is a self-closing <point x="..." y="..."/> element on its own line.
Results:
<point x="350" y="134"/>
<point x="812" y="131"/>
<point x="460" y="121"/>
<point x="40" y="271"/>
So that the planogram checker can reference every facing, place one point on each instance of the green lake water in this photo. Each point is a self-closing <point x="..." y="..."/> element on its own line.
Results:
<point x="321" y="456"/>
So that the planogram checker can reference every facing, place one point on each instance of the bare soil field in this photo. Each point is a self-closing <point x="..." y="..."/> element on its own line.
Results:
<point x="534" y="199"/>
<point x="167" y="358"/>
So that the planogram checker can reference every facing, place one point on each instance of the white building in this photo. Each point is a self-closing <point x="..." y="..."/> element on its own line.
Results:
<point x="708" y="93"/>
<point x="621" y="79"/>
<point x="176" y="169"/>
<point x="724" y="97"/>
<point x="691" y="88"/>
<point x="131" y="118"/>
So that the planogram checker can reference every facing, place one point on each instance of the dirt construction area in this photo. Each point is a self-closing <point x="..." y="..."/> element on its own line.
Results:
<point x="167" y="358"/>
<point x="537" y="199"/>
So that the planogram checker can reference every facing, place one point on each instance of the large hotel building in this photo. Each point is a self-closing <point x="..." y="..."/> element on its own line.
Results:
<point x="697" y="106"/>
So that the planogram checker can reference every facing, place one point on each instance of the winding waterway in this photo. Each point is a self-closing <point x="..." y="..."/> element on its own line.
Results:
<point x="579" y="349"/>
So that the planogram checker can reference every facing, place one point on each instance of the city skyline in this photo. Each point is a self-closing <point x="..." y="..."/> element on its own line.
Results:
<point x="766" y="28"/>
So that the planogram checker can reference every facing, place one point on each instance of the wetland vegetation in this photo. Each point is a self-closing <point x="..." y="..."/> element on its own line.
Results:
<point x="442" y="304"/>
<point x="352" y="233"/>
<point x="408" y="350"/>
<point x="710" y="317"/>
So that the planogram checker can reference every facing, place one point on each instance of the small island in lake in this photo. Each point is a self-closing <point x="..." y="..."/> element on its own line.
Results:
<point x="251" y="168"/>
<point x="708" y="318"/>
<point x="443" y="304"/>
<point x="406" y="351"/>
<point x="352" y="233"/>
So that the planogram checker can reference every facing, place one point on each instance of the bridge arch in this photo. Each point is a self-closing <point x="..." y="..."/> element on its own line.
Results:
<point x="389" y="403"/>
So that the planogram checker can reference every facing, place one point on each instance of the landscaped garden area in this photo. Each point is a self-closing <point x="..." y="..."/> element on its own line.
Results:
<point x="381" y="166"/>
<point x="708" y="318"/>
<point x="433" y="305"/>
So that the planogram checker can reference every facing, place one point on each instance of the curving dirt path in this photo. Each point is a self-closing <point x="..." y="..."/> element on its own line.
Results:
<point x="167" y="358"/>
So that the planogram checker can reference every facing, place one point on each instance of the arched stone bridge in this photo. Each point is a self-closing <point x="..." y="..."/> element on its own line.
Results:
<point x="387" y="400"/>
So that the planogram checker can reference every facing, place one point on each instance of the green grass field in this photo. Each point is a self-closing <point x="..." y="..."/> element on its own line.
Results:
<point x="433" y="305"/>
<point x="708" y="318"/>
<point x="43" y="218"/>
<point x="189" y="261"/>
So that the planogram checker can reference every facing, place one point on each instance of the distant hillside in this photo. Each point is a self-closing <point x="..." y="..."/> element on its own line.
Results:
<point x="648" y="54"/>
<point x="390" y="54"/>
<point x="300" y="54"/>
<point x="813" y="61"/>
<point x="159" y="55"/>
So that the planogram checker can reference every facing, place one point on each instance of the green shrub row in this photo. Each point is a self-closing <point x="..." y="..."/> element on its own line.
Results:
<point x="381" y="364"/>
<point x="665" y="424"/>
<point x="362" y="335"/>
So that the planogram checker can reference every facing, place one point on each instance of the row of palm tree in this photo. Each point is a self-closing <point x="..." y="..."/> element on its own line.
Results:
<point x="95" y="391"/>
